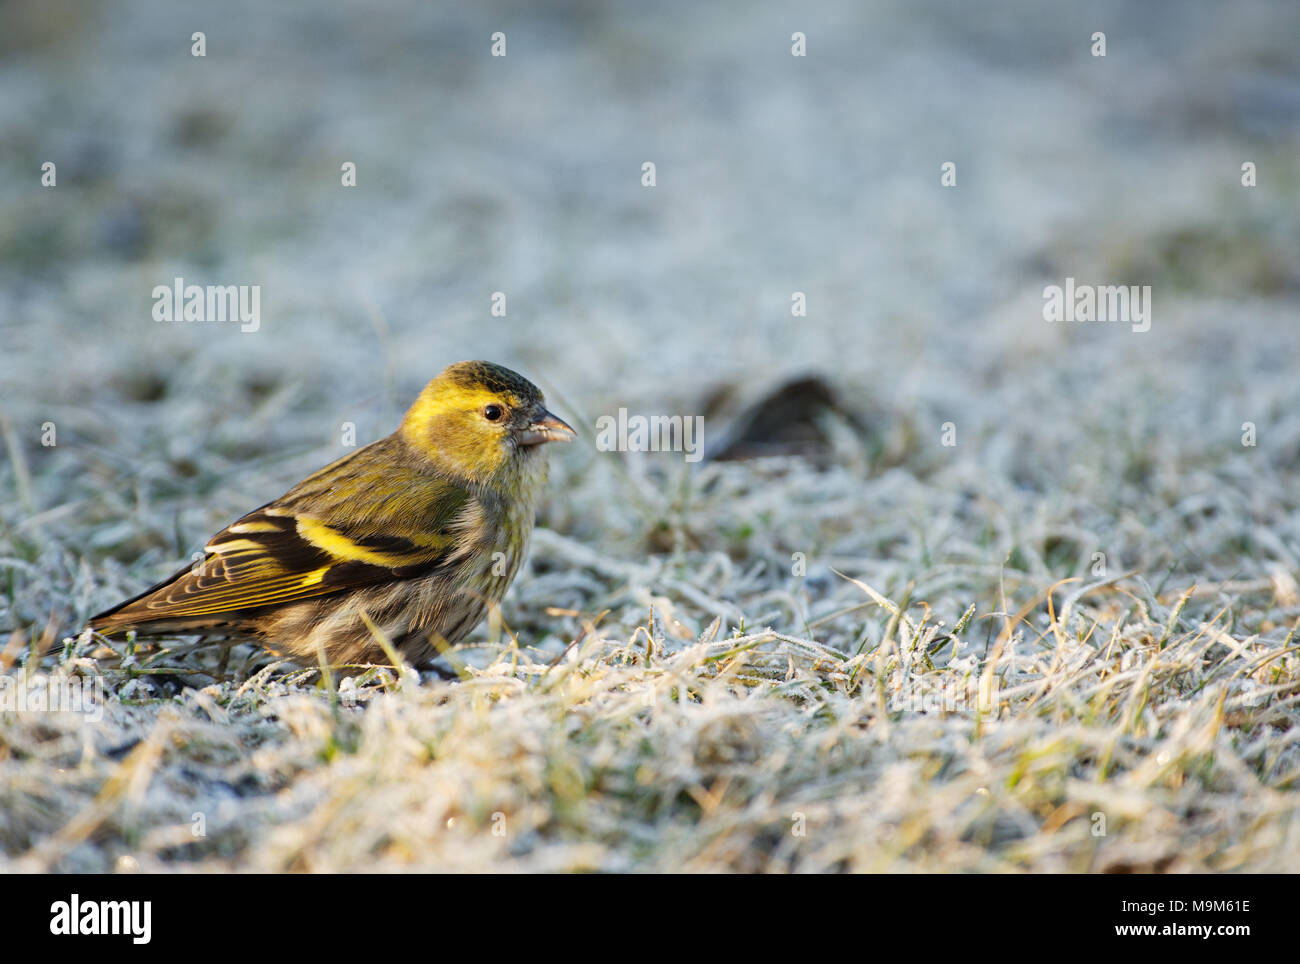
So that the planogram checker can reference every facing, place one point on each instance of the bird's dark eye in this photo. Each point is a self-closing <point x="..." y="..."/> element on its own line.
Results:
<point x="493" y="413"/>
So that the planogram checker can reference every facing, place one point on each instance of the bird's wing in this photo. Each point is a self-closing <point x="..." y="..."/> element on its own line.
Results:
<point x="284" y="552"/>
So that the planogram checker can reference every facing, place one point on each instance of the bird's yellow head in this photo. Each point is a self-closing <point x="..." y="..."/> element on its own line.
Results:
<point x="480" y="421"/>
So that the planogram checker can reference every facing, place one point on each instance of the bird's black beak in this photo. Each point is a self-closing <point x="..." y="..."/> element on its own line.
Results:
<point x="546" y="427"/>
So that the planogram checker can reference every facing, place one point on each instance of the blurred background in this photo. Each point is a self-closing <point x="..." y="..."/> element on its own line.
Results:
<point x="522" y="174"/>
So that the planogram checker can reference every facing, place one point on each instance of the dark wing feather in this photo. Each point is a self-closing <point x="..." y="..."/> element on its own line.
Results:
<point x="286" y="551"/>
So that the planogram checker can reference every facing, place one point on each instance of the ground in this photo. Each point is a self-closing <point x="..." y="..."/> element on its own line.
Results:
<point x="1020" y="596"/>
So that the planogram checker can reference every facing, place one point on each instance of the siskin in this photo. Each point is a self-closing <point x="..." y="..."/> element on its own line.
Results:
<point x="419" y="533"/>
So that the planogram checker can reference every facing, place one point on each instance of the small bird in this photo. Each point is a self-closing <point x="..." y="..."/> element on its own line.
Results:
<point x="419" y="533"/>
